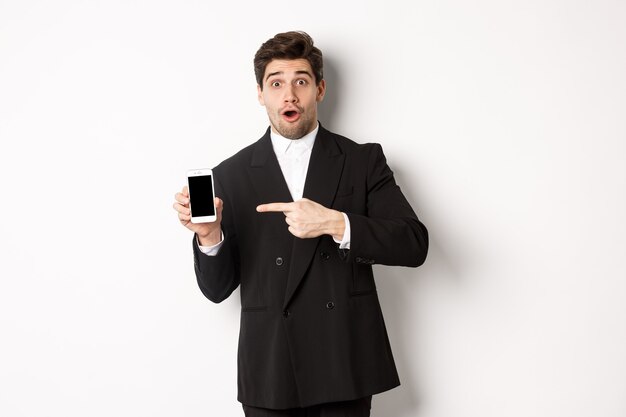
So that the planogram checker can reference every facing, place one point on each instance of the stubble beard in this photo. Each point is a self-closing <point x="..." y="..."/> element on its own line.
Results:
<point x="293" y="130"/>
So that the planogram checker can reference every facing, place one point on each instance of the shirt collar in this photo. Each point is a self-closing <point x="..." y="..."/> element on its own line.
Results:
<point x="281" y="144"/>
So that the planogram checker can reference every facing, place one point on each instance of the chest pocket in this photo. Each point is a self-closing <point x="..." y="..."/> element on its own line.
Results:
<point x="344" y="199"/>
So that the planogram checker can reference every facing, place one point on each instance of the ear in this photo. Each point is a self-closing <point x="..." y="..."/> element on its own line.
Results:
<point x="321" y="91"/>
<point x="260" y="95"/>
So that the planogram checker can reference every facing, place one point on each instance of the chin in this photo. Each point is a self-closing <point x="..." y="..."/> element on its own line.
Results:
<point x="293" y="135"/>
<point x="289" y="132"/>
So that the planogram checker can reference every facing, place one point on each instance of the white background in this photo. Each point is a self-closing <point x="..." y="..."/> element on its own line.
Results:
<point x="504" y="122"/>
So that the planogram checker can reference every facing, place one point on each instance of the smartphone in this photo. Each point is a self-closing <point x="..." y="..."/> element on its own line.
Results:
<point x="201" y="195"/>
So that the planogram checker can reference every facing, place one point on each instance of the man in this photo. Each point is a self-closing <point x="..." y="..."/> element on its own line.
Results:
<point x="302" y="214"/>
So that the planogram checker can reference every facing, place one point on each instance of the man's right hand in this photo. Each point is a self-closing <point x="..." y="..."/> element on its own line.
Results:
<point x="209" y="234"/>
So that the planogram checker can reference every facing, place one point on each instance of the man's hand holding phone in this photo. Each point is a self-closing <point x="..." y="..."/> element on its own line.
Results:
<point x="209" y="234"/>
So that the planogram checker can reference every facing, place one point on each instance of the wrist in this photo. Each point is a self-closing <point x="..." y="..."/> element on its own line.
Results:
<point x="211" y="238"/>
<point x="337" y="225"/>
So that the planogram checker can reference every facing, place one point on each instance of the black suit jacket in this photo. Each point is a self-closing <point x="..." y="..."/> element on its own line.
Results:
<point x="312" y="330"/>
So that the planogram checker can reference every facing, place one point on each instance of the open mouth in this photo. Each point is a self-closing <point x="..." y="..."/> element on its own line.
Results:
<point x="291" y="115"/>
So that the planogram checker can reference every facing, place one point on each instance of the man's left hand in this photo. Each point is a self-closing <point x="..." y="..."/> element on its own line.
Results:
<point x="307" y="219"/>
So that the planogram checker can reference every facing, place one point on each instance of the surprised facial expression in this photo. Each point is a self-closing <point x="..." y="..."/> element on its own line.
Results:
<point x="290" y="97"/>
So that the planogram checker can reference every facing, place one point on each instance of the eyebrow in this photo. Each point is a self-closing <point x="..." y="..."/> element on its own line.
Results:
<point x="305" y="72"/>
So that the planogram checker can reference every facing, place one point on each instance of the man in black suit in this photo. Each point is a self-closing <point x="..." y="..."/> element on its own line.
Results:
<point x="302" y="215"/>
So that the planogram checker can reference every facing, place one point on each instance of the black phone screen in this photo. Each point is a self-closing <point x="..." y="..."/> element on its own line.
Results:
<point x="201" y="196"/>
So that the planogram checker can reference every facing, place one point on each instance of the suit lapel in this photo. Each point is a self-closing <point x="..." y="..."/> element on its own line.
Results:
<point x="267" y="179"/>
<point x="322" y="179"/>
<point x="265" y="173"/>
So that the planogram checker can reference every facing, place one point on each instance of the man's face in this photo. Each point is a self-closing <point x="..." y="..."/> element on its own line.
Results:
<point x="290" y="96"/>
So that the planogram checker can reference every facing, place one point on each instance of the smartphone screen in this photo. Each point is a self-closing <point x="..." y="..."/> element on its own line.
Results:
<point x="201" y="196"/>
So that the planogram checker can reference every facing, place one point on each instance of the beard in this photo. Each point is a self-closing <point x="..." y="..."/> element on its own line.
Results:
<point x="293" y="130"/>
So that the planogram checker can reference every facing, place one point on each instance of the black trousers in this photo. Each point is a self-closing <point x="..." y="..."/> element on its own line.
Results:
<point x="354" y="408"/>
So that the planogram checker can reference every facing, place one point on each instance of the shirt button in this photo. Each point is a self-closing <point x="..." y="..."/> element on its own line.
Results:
<point x="330" y="305"/>
<point x="279" y="261"/>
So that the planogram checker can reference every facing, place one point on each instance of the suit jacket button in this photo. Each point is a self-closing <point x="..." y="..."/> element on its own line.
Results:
<point x="330" y="305"/>
<point x="325" y="256"/>
<point x="279" y="261"/>
<point x="286" y="313"/>
<point x="358" y="259"/>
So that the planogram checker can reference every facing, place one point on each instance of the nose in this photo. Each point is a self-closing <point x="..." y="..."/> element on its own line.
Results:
<point x="290" y="95"/>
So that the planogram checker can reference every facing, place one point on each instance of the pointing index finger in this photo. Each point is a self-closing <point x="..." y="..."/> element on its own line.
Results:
<point x="274" y="207"/>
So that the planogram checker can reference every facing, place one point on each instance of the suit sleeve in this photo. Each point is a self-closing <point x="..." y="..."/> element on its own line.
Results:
<point x="218" y="276"/>
<point x="390" y="232"/>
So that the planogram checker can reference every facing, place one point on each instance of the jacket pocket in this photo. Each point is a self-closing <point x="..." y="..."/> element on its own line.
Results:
<point x="363" y="293"/>
<point x="255" y="309"/>
<point x="345" y="192"/>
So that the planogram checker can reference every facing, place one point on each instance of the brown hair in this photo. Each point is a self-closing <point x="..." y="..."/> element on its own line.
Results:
<point x="289" y="45"/>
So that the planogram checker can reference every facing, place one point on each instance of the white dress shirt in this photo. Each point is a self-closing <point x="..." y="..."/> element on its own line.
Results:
<point x="293" y="157"/>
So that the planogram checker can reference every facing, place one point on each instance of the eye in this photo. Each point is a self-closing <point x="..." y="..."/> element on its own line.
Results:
<point x="301" y="82"/>
<point x="275" y="84"/>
